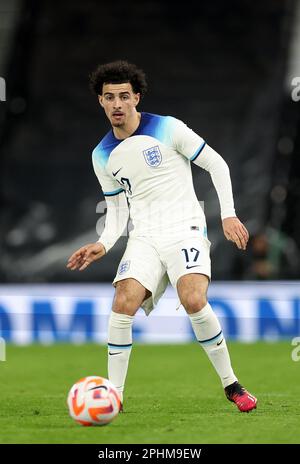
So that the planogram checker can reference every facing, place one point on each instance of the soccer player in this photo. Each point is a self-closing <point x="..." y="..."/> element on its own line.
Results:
<point x="143" y="165"/>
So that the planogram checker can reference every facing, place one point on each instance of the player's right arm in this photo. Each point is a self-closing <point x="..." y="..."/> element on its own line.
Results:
<point x="87" y="254"/>
<point x="115" y="222"/>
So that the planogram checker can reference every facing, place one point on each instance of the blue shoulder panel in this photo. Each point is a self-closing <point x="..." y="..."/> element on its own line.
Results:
<point x="105" y="147"/>
<point x="154" y="125"/>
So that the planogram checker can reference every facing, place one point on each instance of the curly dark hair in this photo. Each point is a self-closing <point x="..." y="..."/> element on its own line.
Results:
<point x="118" y="72"/>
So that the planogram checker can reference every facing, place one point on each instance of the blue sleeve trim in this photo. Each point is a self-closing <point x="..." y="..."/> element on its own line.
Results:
<point x="198" y="152"/>
<point x="114" y="192"/>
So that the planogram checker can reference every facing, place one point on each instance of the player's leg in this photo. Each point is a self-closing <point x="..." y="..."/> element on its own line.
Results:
<point x="129" y="296"/>
<point x="189" y="271"/>
<point x="137" y="281"/>
<point x="192" y="291"/>
<point x="188" y="265"/>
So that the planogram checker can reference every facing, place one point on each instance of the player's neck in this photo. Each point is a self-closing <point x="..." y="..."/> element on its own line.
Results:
<point x="129" y="128"/>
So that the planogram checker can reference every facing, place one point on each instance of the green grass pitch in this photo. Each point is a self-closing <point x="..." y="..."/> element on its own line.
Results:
<point x="173" y="395"/>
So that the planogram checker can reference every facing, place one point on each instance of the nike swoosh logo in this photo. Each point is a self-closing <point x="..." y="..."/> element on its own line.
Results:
<point x="112" y="354"/>
<point x="115" y="173"/>
<point x="98" y="387"/>
<point x="220" y="342"/>
<point x="190" y="267"/>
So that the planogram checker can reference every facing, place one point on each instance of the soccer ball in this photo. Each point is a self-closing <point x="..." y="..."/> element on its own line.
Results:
<point x="93" y="401"/>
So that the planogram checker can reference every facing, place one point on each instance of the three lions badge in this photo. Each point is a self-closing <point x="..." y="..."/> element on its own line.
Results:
<point x="153" y="156"/>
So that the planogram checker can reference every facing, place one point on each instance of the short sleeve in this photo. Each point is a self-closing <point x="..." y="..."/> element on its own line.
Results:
<point x="185" y="140"/>
<point x="110" y="186"/>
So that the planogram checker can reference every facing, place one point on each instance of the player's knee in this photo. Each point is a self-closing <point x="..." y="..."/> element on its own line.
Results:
<point x="124" y="304"/>
<point x="194" y="302"/>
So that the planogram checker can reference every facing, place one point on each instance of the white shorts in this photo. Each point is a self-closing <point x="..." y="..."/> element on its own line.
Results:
<point x="156" y="262"/>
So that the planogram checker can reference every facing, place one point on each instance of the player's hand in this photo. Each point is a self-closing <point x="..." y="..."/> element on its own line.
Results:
<point x="236" y="232"/>
<point x="87" y="254"/>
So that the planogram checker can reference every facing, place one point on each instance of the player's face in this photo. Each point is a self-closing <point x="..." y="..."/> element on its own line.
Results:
<point x="119" y="103"/>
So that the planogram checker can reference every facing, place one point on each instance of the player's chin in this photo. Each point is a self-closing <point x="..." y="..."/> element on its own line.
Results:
<point x="116" y="123"/>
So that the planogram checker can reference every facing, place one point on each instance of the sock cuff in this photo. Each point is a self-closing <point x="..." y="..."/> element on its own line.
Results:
<point x="217" y="339"/>
<point x="120" y="320"/>
<point x="202" y="315"/>
<point x="114" y="346"/>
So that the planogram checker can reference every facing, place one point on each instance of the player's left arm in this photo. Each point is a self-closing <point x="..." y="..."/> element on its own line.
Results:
<point x="211" y="161"/>
<point x="194" y="148"/>
<point x="235" y="231"/>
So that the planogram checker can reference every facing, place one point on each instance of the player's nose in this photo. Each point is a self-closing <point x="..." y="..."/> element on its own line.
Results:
<point x="117" y="103"/>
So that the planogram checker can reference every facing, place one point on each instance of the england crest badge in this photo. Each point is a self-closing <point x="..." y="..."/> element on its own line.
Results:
<point x="124" y="267"/>
<point x="153" y="156"/>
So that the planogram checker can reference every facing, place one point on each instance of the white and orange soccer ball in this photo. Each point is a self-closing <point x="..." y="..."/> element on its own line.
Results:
<point x="93" y="401"/>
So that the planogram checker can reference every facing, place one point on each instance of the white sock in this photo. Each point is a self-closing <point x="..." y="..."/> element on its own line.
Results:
<point x="119" y="349"/>
<point x="210" y="336"/>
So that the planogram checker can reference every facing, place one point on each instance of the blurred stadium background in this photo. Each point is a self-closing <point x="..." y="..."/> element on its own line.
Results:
<point x="228" y="70"/>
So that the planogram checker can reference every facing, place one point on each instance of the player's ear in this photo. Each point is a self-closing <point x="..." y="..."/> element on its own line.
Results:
<point x="100" y="99"/>
<point x="137" y="97"/>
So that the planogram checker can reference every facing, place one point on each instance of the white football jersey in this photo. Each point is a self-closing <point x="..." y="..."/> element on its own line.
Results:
<point x="152" y="167"/>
